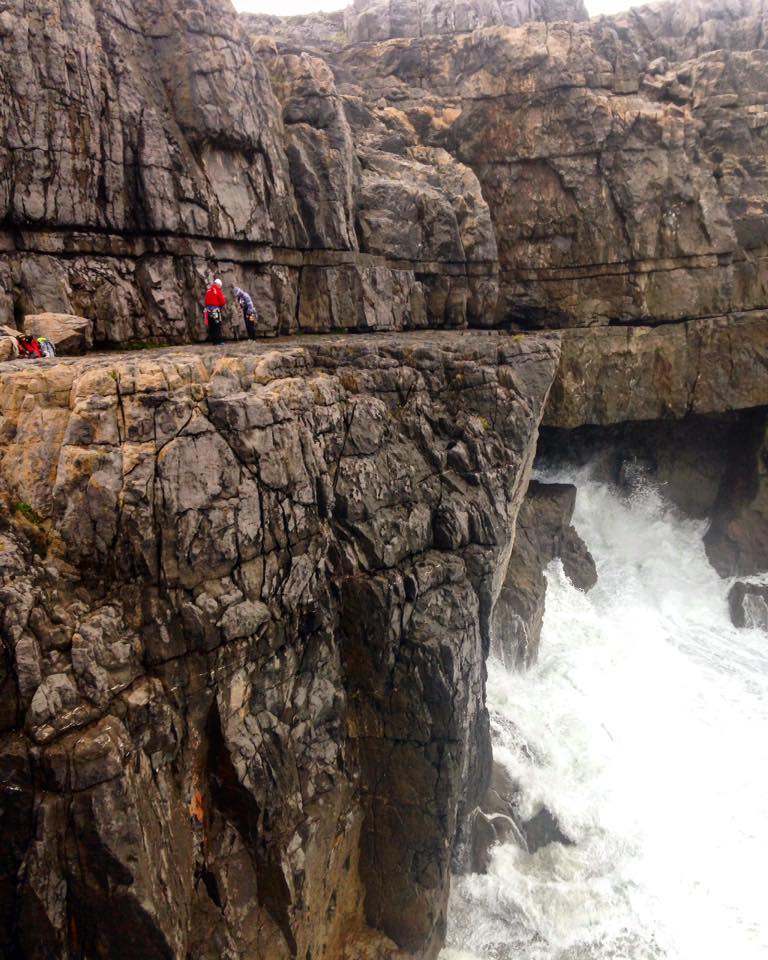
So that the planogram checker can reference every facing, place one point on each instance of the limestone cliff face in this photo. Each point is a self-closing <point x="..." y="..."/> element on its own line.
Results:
<point x="245" y="612"/>
<point x="148" y="145"/>
<point x="422" y="166"/>
<point x="246" y="597"/>
<point x="624" y="186"/>
<point x="367" y="20"/>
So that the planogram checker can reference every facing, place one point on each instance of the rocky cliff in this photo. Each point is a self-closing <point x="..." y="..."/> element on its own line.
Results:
<point x="542" y="174"/>
<point x="625" y="176"/>
<point x="247" y="595"/>
<point x="245" y="613"/>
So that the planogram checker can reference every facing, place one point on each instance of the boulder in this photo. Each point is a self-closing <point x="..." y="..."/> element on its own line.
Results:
<point x="9" y="349"/>
<point x="748" y="603"/>
<point x="68" y="333"/>
<point x="499" y="819"/>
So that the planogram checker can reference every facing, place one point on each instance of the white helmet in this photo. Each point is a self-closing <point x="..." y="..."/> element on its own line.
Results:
<point x="218" y="282"/>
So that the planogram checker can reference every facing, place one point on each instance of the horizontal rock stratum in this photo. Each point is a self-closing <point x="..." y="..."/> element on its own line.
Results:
<point x="661" y="373"/>
<point x="553" y="173"/>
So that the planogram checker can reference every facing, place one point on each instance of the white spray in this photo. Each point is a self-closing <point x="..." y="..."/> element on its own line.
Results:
<point x="644" y="728"/>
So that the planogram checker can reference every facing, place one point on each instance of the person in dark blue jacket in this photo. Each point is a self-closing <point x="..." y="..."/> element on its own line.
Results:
<point x="249" y="311"/>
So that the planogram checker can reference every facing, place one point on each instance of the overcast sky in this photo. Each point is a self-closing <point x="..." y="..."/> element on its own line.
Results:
<point x="287" y="7"/>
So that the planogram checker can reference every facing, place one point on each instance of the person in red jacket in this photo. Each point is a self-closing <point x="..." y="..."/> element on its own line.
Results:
<point x="214" y="301"/>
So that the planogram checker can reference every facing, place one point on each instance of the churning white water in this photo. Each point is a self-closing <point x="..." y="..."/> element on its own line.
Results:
<point x="644" y="728"/>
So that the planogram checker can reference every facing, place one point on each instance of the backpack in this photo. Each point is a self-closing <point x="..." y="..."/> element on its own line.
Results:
<point x="29" y="347"/>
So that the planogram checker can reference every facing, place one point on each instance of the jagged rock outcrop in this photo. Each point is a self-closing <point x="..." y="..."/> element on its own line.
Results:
<point x="212" y="154"/>
<point x="748" y="603"/>
<point x="623" y="186"/>
<point x="247" y="595"/>
<point x="543" y="532"/>
<point x="550" y="173"/>
<point x="499" y="819"/>
<point x="666" y="372"/>
<point x="246" y="603"/>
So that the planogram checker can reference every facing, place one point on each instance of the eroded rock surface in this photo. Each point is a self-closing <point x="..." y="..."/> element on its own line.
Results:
<point x="245" y="611"/>
<point x="661" y="373"/>
<point x="748" y="603"/>
<point x="155" y="144"/>
<point x="69" y="335"/>
<point x="396" y="166"/>
<point x="366" y="20"/>
<point x="247" y="596"/>
<point x="543" y="532"/>
<point x="737" y="539"/>
<point x="623" y="168"/>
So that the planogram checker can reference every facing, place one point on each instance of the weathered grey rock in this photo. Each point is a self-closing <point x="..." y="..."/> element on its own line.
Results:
<point x="543" y="533"/>
<point x="242" y="685"/>
<point x="379" y="20"/>
<point x="179" y="117"/>
<point x="499" y="819"/>
<point x="748" y="604"/>
<point x="656" y="373"/>
<point x="9" y="348"/>
<point x="623" y="188"/>
<point x="549" y="173"/>
<point x="69" y="335"/>
<point x="245" y="166"/>
<point x="737" y="538"/>
<point x="246" y="596"/>
<point x="366" y="20"/>
<point x="686" y="28"/>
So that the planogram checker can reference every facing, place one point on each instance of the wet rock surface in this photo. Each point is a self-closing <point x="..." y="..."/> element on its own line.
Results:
<point x="499" y="819"/>
<point x="543" y="533"/>
<point x="246" y="604"/>
<point x="748" y="604"/>
<point x="737" y="539"/>
<point x="686" y="459"/>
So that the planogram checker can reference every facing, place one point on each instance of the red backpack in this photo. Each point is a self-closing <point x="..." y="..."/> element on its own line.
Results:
<point x="29" y="347"/>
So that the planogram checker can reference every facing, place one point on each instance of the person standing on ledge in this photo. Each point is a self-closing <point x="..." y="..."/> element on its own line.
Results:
<point x="214" y="302"/>
<point x="249" y="311"/>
